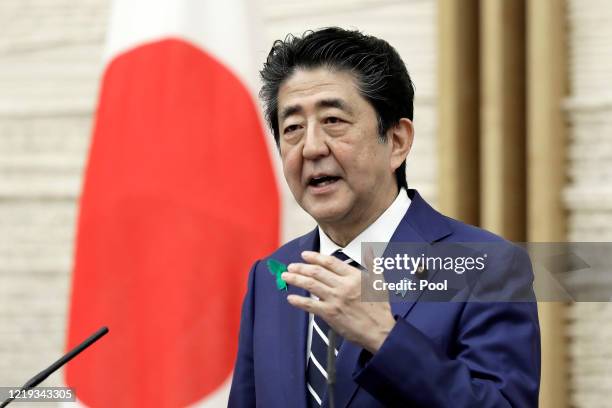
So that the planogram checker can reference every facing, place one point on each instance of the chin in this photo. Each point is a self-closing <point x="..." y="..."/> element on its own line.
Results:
<point x="325" y="213"/>
<point x="328" y="208"/>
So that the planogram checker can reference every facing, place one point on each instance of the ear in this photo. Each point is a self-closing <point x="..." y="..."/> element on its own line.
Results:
<point x="401" y="136"/>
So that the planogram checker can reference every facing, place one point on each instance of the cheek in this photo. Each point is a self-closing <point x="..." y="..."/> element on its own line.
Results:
<point x="292" y="164"/>
<point x="366" y="165"/>
<point x="362" y="157"/>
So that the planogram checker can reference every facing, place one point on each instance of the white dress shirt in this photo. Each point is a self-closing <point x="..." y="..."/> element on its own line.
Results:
<point x="380" y="230"/>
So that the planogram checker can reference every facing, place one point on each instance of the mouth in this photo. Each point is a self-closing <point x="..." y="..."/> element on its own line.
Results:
<point x="322" y="180"/>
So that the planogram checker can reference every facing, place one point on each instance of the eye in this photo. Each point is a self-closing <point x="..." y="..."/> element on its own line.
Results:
<point x="291" y="128"/>
<point x="333" y="120"/>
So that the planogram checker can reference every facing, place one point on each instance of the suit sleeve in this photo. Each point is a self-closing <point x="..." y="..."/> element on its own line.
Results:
<point x="495" y="361"/>
<point x="242" y="392"/>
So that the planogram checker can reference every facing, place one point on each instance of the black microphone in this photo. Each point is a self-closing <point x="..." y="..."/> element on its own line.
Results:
<point x="331" y="367"/>
<point x="40" y="377"/>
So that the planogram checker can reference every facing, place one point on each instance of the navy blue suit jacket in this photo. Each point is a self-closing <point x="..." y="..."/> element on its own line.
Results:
<point x="439" y="354"/>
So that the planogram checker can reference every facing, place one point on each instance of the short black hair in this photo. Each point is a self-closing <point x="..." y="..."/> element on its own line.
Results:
<point x="380" y="73"/>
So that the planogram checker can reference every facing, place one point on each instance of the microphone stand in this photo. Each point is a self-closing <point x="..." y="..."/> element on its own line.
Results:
<point x="40" y="377"/>
<point x="331" y="367"/>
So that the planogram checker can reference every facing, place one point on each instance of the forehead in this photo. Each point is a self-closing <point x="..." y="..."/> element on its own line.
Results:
<point x="307" y="86"/>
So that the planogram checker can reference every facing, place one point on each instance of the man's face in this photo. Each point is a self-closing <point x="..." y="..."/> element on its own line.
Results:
<point x="333" y="160"/>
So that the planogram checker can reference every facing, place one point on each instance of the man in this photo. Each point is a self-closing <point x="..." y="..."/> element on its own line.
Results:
<point x="340" y="105"/>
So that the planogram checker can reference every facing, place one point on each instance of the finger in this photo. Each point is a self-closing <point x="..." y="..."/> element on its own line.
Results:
<point x="305" y="282"/>
<point x="307" y="304"/>
<point x="328" y="262"/>
<point x="368" y="278"/>
<point x="368" y="258"/>
<point x="316" y="272"/>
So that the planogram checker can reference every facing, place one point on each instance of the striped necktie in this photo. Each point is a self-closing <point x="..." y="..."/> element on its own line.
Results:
<point x="316" y="368"/>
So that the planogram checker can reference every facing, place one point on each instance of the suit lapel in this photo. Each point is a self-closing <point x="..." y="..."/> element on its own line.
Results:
<point x="293" y="358"/>
<point x="421" y="223"/>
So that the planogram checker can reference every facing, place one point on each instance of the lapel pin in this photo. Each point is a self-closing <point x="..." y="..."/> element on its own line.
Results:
<point x="276" y="268"/>
<point x="403" y="291"/>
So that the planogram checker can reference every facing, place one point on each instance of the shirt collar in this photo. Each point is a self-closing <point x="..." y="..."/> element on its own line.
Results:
<point x="380" y="230"/>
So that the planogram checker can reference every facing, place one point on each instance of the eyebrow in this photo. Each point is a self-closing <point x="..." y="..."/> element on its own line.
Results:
<point x="323" y="103"/>
<point x="334" y="103"/>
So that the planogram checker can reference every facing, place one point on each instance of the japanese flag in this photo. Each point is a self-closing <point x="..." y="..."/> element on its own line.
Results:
<point x="179" y="199"/>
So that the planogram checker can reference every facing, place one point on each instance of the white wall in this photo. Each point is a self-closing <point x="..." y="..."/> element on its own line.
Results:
<point x="588" y="195"/>
<point x="50" y="53"/>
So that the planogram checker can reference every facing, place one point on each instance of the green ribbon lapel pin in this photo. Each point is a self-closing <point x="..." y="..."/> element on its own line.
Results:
<point x="276" y="268"/>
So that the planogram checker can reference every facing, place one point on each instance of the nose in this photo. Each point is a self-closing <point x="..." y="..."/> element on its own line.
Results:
<point x="315" y="145"/>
